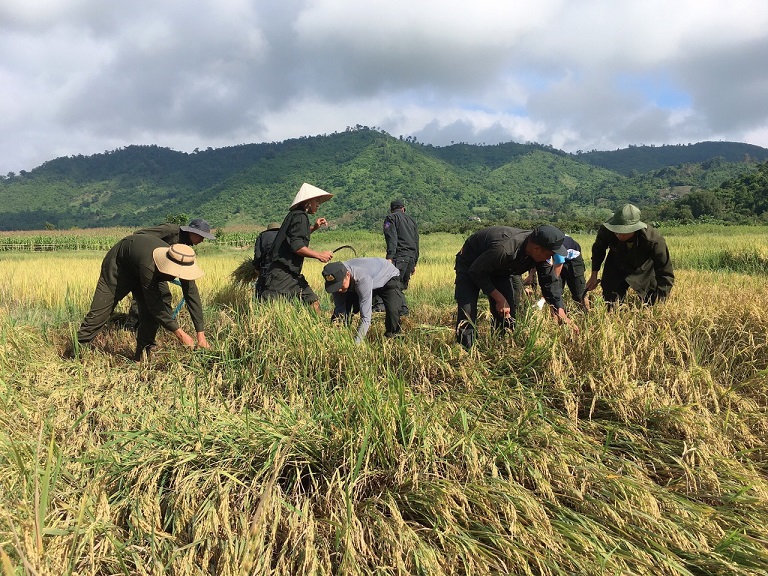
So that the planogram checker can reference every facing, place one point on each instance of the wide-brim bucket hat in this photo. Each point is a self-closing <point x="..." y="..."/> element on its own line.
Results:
<point x="200" y="227"/>
<point x="308" y="192"/>
<point x="625" y="220"/>
<point x="177" y="260"/>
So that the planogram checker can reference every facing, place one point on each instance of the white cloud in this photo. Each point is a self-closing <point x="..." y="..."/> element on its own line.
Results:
<point x="82" y="76"/>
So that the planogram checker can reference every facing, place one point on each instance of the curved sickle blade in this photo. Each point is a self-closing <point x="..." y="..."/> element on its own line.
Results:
<point x="345" y="246"/>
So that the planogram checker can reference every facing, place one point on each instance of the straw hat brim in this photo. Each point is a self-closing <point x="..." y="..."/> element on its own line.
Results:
<point x="320" y="200"/>
<point x="171" y="268"/>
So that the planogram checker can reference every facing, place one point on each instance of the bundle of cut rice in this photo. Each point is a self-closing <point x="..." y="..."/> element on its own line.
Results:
<point x="245" y="274"/>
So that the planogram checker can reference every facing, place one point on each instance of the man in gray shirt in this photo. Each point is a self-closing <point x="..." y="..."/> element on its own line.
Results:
<point x="353" y="285"/>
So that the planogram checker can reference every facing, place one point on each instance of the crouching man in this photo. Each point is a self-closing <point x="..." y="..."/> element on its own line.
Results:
<point x="143" y="265"/>
<point x="353" y="285"/>
<point x="491" y="260"/>
<point x="638" y="258"/>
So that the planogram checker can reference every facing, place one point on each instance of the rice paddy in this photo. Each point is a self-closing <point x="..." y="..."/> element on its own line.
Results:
<point x="638" y="446"/>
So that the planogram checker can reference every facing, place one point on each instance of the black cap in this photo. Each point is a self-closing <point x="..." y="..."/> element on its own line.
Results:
<point x="550" y="238"/>
<point x="200" y="227"/>
<point x="395" y="204"/>
<point x="334" y="274"/>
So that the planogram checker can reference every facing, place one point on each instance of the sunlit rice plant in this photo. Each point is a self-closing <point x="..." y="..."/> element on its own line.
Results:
<point x="637" y="446"/>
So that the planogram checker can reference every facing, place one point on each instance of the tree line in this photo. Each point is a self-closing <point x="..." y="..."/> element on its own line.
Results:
<point x="444" y="187"/>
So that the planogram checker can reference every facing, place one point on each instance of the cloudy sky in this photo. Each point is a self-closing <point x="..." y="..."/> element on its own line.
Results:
<point x="84" y="76"/>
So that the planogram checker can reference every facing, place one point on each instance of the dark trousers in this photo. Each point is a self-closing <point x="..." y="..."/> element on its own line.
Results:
<point x="572" y="275"/>
<point x="406" y="265"/>
<point x="391" y="294"/>
<point x="109" y="291"/>
<point x="466" y="294"/>
<point x="260" y="282"/>
<point x="281" y="283"/>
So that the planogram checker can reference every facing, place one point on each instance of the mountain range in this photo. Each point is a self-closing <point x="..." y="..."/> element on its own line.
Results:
<point x="365" y="168"/>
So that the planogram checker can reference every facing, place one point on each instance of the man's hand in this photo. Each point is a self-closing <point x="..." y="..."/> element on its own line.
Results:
<point x="201" y="341"/>
<point x="319" y="223"/>
<point x="592" y="282"/>
<point x="562" y="318"/>
<point x="502" y="307"/>
<point x="325" y="257"/>
<point x="184" y="338"/>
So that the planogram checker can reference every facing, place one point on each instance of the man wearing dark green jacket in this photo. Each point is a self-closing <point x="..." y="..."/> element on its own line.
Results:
<point x="638" y="258"/>
<point x="142" y="265"/>
<point x="401" y="235"/>
<point x="192" y="234"/>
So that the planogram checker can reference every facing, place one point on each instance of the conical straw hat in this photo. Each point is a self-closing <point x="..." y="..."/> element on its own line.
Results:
<point x="307" y="192"/>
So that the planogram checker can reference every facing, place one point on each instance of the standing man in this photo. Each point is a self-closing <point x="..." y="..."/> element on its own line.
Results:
<point x="192" y="234"/>
<point x="402" y="237"/>
<point x="262" y="254"/>
<point x="283" y="275"/>
<point x="353" y="285"/>
<point x="143" y="265"/>
<point x="638" y="258"/>
<point x="489" y="261"/>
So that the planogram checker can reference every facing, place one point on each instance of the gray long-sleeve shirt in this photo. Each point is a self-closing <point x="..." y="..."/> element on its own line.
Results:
<point x="368" y="274"/>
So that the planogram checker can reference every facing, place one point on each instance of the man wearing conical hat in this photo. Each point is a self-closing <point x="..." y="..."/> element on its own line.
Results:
<point x="142" y="265"/>
<point x="283" y="275"/>
<point x="638" y="258"/>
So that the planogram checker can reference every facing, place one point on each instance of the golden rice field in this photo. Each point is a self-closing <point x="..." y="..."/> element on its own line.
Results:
<point x="638" y="446"/>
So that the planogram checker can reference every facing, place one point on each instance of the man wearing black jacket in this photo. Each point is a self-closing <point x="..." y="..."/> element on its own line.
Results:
<point x="283" y="277"/>
<point x="489" y="260"/>
<point x="402" y="237"/>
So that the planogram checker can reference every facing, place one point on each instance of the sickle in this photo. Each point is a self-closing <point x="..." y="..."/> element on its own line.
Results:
<point x="345" y="246"/>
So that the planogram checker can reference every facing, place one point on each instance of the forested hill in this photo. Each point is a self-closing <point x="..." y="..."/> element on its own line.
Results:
<point x="253" y="184"/>
<point x="642" y="159"/>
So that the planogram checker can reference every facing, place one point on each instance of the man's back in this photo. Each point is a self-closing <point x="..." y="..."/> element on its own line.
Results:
<point x="262" y="253"/>
<point x="401" y="234"/>
<point x="169" y="233"/>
